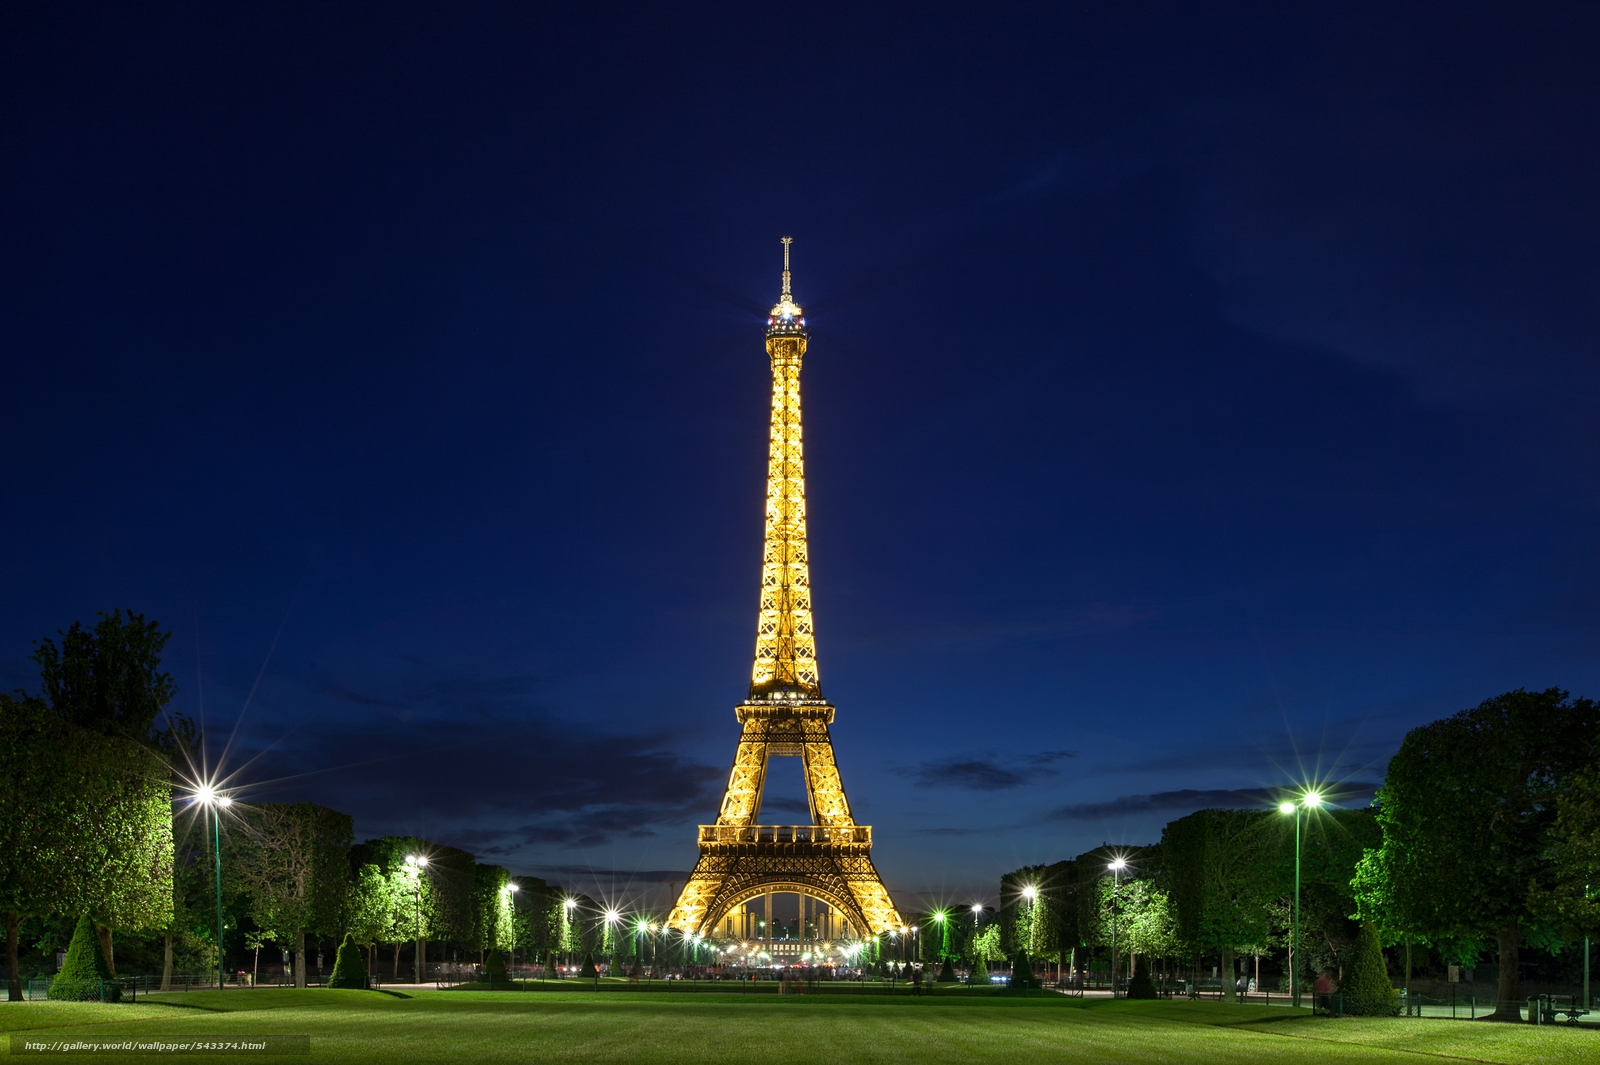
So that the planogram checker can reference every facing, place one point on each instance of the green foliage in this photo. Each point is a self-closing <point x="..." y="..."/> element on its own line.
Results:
<point x="1470" y="812"/>
<point x="1141" y="984"/>
<point x="85" y="822"/>
<point x="84" y="971"/>
<point x="493" y="924"/>
<point x="1570" y="899"/>
<point x="107" y="679"/>
<point x="1365" y="986"/>
<point x="980" y="970"/>
<point x="986" y="945"/>
<point x="587" y="969"/>
<point x="292" y="862"/>
<point x="374" y="906"/>
<point x="947" y="973"/>
<point x="552" y="965"/>
<point x="349" y="967"/>
<point x="1145" y="923"/>
<point x="1219" y="876"/>
<point x="1045" y="923"/>
<point x="1466" y="812"/>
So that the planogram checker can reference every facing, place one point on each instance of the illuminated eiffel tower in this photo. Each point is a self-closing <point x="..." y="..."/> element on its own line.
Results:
<point x="830" y="859"/>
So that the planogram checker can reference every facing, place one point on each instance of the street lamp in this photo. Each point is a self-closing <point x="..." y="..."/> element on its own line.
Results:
<point x="1309" y="801"/>
<point x="417" y="863"/>
<point x="1116" y="868"/>
<point x="208" y="796"/>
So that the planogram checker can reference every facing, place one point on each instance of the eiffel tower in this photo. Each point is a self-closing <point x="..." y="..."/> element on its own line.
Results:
<point x="830" y="859"/>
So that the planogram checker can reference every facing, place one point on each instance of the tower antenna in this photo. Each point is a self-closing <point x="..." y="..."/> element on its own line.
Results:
<point x="786" y="242"/>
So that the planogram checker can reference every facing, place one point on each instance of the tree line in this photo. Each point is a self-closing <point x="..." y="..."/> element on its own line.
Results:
<point x="1484" y="838"/>
<point x="95" y="824"/>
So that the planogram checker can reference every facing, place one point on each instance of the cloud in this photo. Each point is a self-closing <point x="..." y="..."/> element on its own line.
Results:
<point x="972" y="774"/>
<point x="983" y="774"/>
<point x="1191" y="799"/>
<point x="485" y="776"/>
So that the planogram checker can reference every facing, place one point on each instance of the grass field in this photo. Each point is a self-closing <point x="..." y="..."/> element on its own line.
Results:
<point x="559" y="1027"/>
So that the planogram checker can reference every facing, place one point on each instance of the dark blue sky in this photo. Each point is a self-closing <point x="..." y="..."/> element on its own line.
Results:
<point x="1197" y="398"/>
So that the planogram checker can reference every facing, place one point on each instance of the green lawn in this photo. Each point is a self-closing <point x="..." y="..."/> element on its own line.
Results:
<point x="560" y="1027"/>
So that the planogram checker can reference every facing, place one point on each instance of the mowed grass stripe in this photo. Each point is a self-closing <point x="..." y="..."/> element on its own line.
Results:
<point x="353" y="1026"/>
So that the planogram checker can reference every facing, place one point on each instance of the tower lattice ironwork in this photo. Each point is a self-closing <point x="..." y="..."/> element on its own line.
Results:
<point x="785" y="715"/>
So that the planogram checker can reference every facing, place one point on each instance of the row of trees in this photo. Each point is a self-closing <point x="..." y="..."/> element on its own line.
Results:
<point x="87" y="830"/>
<point x="1486" y="830"/>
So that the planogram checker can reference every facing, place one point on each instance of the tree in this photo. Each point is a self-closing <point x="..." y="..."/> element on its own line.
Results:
<point x="493" y="918"/>
<point x="108" y="679"/>
<point x="430" y="902"/>
<point x="292" y="863"/>
<point x="1468" y="810"/>
<point x="85" y="827"/>
<point x="372" y="908"/>
<point x="1218" y="872"/>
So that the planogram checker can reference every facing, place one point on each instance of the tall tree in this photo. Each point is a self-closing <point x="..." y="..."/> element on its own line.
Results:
<point x="85" y="827"/>
<point x="1467" y="810"/>
<point x="293" y="861"/>
<point x="1218" y="871"/>
<point x="108" y="679"/>
<point x="493" y="921"/>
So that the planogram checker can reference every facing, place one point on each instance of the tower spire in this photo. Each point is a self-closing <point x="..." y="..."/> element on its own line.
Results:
<point x="786" y="298"/>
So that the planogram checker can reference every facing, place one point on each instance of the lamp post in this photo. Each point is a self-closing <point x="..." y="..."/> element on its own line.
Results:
<point x="1116" y="868"/>
<point x="977" y="912"/>
<point x="418" y="862"/>
<point x="566" y="926"/>
<point x="208" y="797"/>
<point x="1029" y="893"/>
<point x="1309" y="801"/>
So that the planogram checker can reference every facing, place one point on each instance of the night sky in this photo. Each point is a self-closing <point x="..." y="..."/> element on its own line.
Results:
<point x="1199" y="397"/>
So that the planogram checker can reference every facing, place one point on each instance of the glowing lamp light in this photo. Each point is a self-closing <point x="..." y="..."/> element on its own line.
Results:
<point x="939" y="917"/>
<point x="1286" y="807"/>
<point x="977" y="908"/>
<point x="205" y="795"/>
<point x="1313" y="799"/>
<point x="1030" y="892"/>
<point x="1119" y="865"/>
<point x="513" y="887"/>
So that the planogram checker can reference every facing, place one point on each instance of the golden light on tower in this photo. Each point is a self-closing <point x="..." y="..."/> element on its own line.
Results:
<point x="785" y="715"/>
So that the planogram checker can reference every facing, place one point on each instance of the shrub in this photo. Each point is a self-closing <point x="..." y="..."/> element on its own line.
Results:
<point x="494" y="970"/>
<point x="84" y="975"/>
<point x="349" y="967"/>
<point x="1140" y="984"/>
<point x="947" y="973"/>
<point x="1022" y="972"/>
<point x="1365" y="988"/>
<point x="552" y="965"/>
<point x="980" y="971"/>
<point x="588" y="971"/>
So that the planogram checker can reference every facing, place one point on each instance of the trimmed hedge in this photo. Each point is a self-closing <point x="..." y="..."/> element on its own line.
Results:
<point x="85" y="976"/>
<point x="349" y="967"/>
